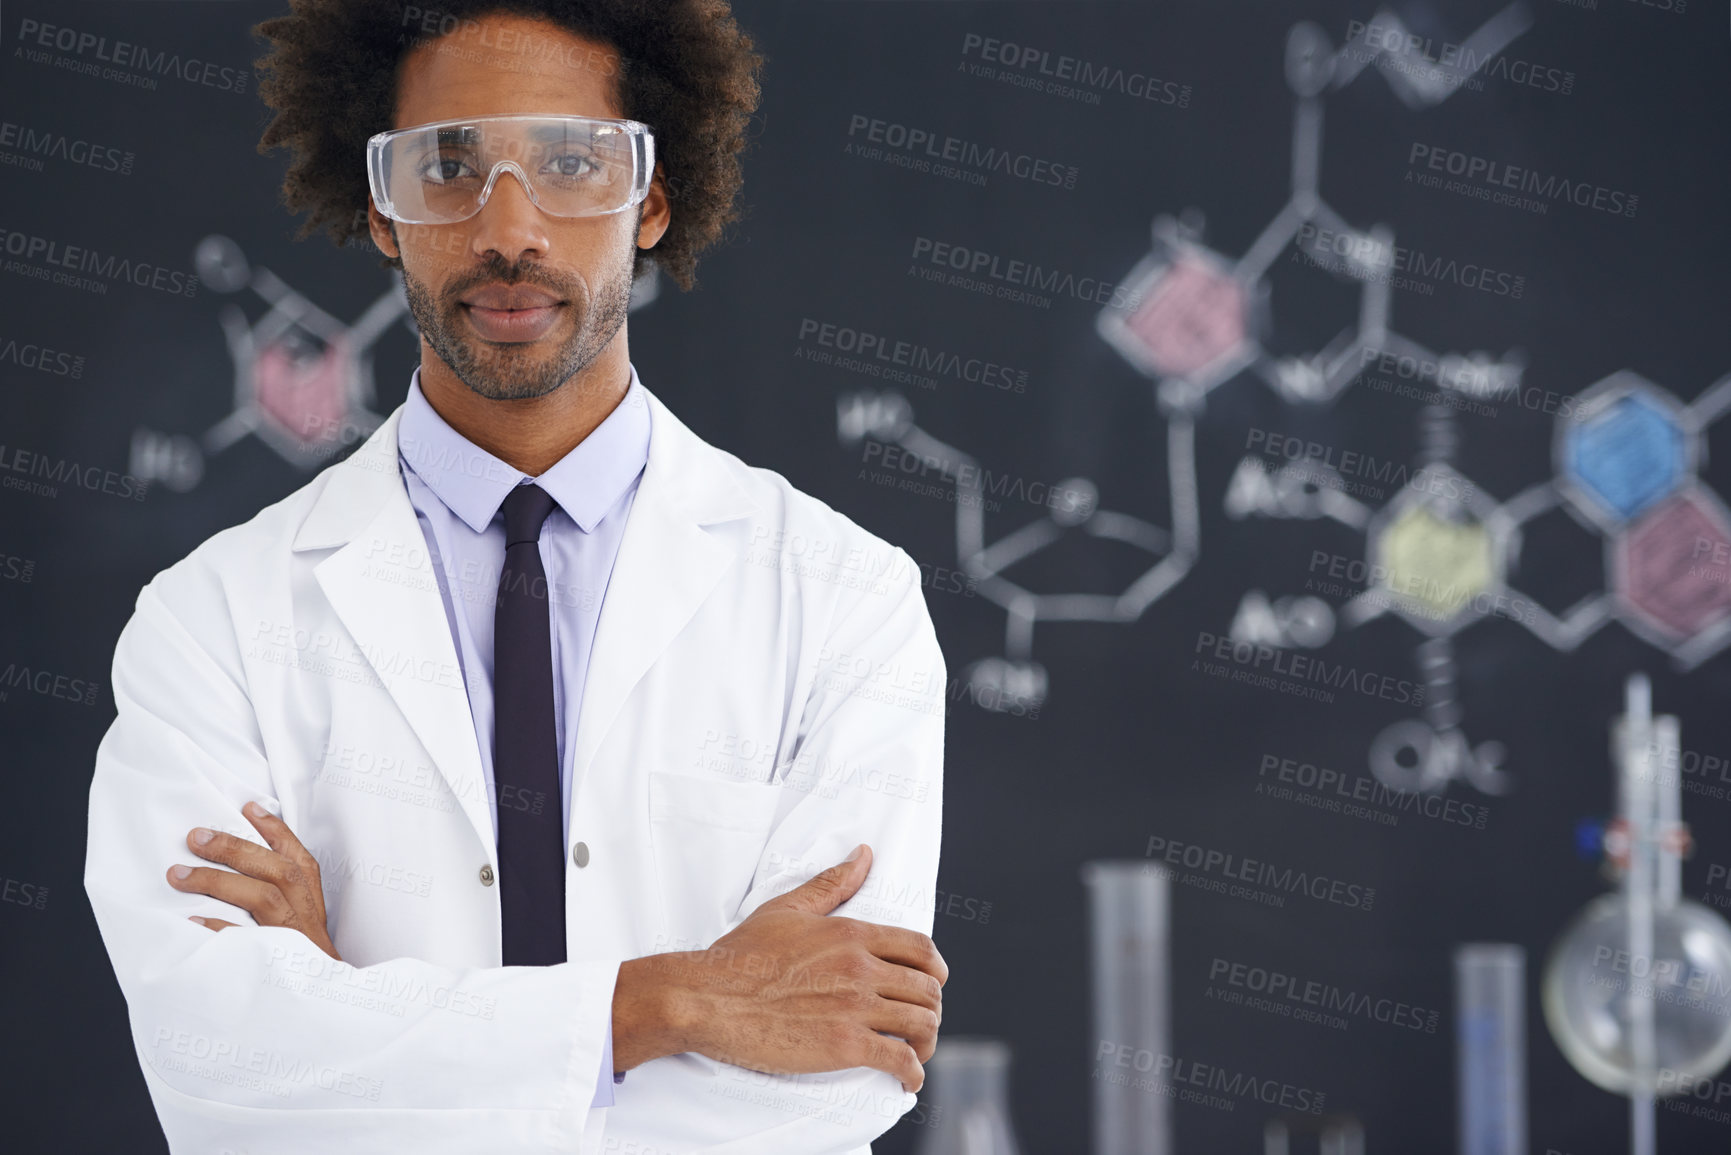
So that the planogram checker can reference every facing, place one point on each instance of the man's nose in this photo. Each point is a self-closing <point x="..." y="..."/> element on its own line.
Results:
<point x="509" y="223"/>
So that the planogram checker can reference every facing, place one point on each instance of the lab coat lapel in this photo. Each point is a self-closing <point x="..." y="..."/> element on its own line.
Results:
<point x="383" y="588"/>
<point x="382" y="585"/>
<point x="666" y="567"/>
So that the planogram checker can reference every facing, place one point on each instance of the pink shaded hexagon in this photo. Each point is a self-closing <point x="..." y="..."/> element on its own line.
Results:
<point x="1673" y="567"/>
<point x="1193" y="316"/>
<point x="308" y="397"/>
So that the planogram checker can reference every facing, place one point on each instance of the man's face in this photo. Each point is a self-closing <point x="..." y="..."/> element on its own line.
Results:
<point x="467" y="282"/>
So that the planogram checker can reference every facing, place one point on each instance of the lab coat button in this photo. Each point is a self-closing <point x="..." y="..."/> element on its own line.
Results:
<point x="580" y="854"/>
<point x="487" y="874"/>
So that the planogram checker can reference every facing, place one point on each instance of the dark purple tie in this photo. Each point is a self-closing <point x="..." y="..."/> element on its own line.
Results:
<point x="525" y="744"/>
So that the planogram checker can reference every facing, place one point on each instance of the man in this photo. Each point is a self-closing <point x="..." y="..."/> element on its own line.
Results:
<point x="494" y="791"/>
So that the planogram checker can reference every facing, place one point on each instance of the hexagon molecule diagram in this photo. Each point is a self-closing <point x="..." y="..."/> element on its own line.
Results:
<point x="1434" y="561"/>
<point x="303" y="380"/>
<point x="1627" y="456"/>
<point x="1624" y="449"/>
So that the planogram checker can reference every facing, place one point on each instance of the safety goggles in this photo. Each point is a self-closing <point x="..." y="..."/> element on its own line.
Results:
<point x="571" y="166"/>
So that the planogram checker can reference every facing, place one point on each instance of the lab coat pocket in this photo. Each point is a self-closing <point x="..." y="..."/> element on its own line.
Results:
<point x="708" y="836"/>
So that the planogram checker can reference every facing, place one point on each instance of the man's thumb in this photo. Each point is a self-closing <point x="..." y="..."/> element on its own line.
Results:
<point x="828" y="889"/>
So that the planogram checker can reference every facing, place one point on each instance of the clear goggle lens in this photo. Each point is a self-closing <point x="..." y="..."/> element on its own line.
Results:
<point x="571" y="166"/>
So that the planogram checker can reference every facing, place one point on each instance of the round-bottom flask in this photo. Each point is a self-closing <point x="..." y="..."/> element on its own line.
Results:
<point x="1592" y="980"/>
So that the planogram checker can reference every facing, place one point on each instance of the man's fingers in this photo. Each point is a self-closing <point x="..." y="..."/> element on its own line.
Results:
<point x="294" y="874"/>
<point x="915" y="1024"/>
<point x="883" y="1053"/>
<point x="242" y="854"/>
<point x="908" y="985"/>
<point x="277" y="834"/>
<point x="212" y="923"/>
<point x="260" y="899"/>
<point x="910" y="948"/>
<point x="278" y="884"/>
<point x="828" y="889"/>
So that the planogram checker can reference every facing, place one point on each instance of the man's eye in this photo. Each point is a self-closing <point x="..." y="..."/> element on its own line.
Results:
<point x="446" y="169"/>
<point x="572" y="164"/>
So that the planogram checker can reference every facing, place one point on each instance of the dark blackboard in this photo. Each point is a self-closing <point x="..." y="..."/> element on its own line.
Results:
<point x="941" y="201"/>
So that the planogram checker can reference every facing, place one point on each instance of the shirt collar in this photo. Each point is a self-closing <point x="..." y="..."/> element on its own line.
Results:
<point x="472" y="483"/>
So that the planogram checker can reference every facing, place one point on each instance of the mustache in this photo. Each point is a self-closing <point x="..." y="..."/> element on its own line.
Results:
<point x="501" y="271"/>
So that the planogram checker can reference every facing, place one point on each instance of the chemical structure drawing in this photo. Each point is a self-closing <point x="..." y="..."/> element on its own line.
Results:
<point x="1016" y="682"/>
<point x="303" y="380"/>
<point x="1194" y="315"/>
<point x="1440" y="553"/>
<point x="1190" y="325"/>
<point x="1626" y="463"/>
<point x="1194" y="324"/>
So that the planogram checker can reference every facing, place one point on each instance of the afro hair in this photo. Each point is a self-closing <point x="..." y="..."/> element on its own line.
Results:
<point x="683" y="67"/>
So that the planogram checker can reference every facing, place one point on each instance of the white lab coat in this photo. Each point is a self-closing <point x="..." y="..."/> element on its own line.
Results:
<point x="765" y="691"/>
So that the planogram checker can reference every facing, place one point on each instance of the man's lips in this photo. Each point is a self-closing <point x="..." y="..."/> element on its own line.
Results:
<point x="509" y="298"/>
<point x="511" y="313"/>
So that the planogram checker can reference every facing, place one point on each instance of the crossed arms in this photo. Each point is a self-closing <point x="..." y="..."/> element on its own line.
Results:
<point x="814" y="994"/>
<point x="790" y="988"/>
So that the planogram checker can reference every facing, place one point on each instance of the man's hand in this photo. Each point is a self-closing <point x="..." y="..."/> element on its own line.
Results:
<point x="278" y="886"/>
<point x="791" y="990"/>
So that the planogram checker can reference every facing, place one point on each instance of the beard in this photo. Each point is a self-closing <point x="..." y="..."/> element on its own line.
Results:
<point x="520" y="370"/>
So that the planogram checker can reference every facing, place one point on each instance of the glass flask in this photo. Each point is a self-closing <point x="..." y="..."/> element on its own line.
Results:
<point x="969" y="1101"/>
<point x="1593" y="980"/>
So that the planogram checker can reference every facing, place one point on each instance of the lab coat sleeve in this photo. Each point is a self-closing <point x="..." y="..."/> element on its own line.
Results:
<point x="239" y="1050"/>
<point x="867" y="767"/>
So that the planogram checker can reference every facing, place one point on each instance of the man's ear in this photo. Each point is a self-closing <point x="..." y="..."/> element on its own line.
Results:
<point x="383" y="230"/>
<point x="655" y="212"/>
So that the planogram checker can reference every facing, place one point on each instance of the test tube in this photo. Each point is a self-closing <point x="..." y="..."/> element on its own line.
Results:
<point x="1129" y="925"/>
<point x="1491" y="1048"/>
<point x="969" y="1104"/>
<point x="1335" y="1135"/>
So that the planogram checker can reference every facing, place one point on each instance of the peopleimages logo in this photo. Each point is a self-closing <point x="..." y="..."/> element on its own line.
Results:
<point x="1338" y="251"/>
<point x="977" y="267"/>
<point x="46" y="683"/>
<point x="82" y="259"/>
<point x="1260" y="873"/>
<point x="38" y="473"/>
<point x="911" y="355"/>
<point x="1338" y="791"/>
<point x="1310" y="1000"/>
<point x="1176" y="1077"/>
<point x="35" y="144"/>
<point x="931" y="146"/>
<point x="1073" y="71"/>
<point x="1302" y="670"/>
<point x="1486" y="179"/>
<point x="1466" y="62"/>
<point x="122" y="54"/>
<point x="30" y="355"/>
<point x="973" y="484"/>
<point x="1353" y="463"/>
<point x="23" y="893"/>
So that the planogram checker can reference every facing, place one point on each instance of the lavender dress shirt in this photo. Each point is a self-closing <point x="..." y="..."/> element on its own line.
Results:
<point x="456" y="488"/>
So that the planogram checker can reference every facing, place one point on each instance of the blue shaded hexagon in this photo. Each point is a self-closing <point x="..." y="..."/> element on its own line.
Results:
<point x="1627" y="456"/>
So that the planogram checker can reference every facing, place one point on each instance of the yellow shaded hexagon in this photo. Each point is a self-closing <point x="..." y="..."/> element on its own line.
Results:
<point x="1433" y="566"/>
